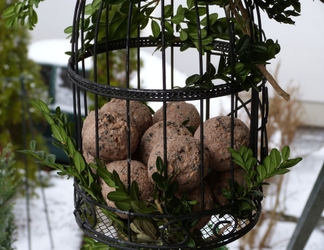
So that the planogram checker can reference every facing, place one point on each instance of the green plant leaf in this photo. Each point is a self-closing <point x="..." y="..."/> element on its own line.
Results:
<point x="123" y="205"/>
<point x="118" y="195"/>
<point x="59" y="133"/>
<point x="78" y="161"/>
<point x="50" y="158"/>
<point x="48" y="118"/>
<point x="290" y="162"/>
<point x="275" y="157"/>
<point x="33" y="145"/>
<point x="262" y="172"/>
<point x="267" y="164"/>
<point x="134" y="191"/>
<point x="183" y="35"/>
<point x="159" y="164"/>
<point x="243" y="44"/>
<point x="106" y="176"/>
<point x="285" y="152"/>
<point x="178" y="18"/>
<point x="159" y="180"/>
<point x="192" y="80"/>
<point x="155" y="29"/>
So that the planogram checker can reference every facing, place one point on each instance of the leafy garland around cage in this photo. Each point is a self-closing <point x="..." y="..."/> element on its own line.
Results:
<point x="146" y="230"/>
<point x="181" y="24"/>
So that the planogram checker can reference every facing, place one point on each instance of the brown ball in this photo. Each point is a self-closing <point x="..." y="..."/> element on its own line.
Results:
<point x="218" y="181"/>
<point x="140" y="114"/>
<point x="184" y="161"/>
<point x="179" y="112"/>
<point x="138" y="173"/>
<point x="155" y="134"/>
<point x="113" y="138"/>
<point x="217" y="138"/>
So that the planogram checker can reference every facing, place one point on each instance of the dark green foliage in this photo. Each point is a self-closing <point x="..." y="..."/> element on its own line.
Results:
<point x="180" y="24"/>
<point x="276" y="163"/>
<point x="8" y="188"/>
<point x="19" y="79"/>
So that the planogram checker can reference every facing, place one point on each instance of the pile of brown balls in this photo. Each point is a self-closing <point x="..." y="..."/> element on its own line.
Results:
<point x="183" y="147"/>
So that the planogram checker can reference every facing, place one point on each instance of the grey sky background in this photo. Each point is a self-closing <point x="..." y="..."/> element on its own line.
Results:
<point x="302" y="44"/>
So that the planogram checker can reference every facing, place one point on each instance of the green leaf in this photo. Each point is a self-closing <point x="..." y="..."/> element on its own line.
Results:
<point x="118" y="195"/>
<point x="41" y="154"/>
<point x="48" y="118"/>
<point x="246" y="206"/>
<point x="50" y="158"/>
<point x="168" y="27"/>
<point x="8" y="12"/>
<point x="192" y="80"/>
<point x="159" y="164"/>
<point x="106" y="176"/>
<point x="239" y="67"/>
<point x="250" y="163"/>
<point x="178" y="18"/>
<point x="190" y="3"/>
<point x="267" y="164"/>
<point x="33" y="145"/>
<point x="275" y="157"/>
<point x="159" y="180"/>
<point x="262" y="172"/>
<point x="290" y="162"/>
<point x="155" y="29"/>
<point x="59" y="133"/>
<point x="79" y="161"/>
<point x="285" y="152"/>
<point x="191" y="242"/>
<point x="183" y="35"/>
<point x="243" y="44"/>
<point x="43" y="106"/>
<point x="167" y="11"/>
<point x="212" y="19"/>
<point x="279" y="172"/>
<point x="123" y="205"/>
<point x="259" y="47"/>
<point x="134" y="191"/>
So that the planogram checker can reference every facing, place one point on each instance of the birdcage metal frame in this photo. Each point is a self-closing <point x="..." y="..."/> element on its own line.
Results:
<point x="90" y="215"/>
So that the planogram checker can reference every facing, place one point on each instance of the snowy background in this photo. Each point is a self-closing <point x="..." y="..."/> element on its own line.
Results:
<point x="66" y="235"/>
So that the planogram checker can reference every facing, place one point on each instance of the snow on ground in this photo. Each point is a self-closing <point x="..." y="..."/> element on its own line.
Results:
<point x="66" y="234"/>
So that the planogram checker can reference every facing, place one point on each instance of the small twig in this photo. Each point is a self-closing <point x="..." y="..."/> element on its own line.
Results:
<point x="273" y="82"/>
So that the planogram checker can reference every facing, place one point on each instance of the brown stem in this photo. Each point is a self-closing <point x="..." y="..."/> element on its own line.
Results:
<point x="273" y="82"/>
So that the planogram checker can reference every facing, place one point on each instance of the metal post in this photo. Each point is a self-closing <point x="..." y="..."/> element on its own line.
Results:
<point x="310" y="215"/>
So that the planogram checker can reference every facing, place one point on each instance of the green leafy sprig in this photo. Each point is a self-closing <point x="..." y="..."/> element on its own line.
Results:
<point x="276" y="163"/>
<point x="62" y="131"/>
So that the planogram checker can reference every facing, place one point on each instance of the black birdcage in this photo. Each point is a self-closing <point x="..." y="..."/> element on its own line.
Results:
<point x="173" y="216"/>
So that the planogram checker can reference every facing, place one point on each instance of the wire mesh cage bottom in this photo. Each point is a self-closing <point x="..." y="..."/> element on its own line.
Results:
<point x="222" y="227"/>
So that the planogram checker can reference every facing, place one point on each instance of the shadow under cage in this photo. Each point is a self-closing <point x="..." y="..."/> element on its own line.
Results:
<point x="157" y="151"/>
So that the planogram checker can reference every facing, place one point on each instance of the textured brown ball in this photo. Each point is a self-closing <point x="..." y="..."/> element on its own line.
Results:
<point x="112" y="131"/>
<point x="138" y="173"/>
<point x="184" y="161"/>
<point x="179" y="112"/>
<point x="155" y="134"/>
<point x="217" y="138"/>
<point x="221" y="180"/>
<point x="140" y="114"/>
